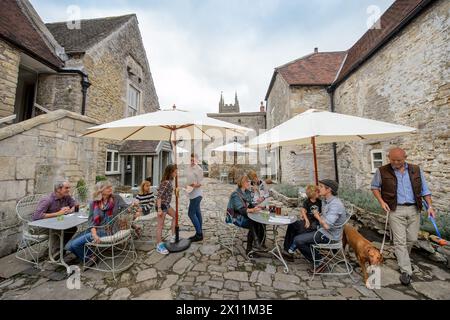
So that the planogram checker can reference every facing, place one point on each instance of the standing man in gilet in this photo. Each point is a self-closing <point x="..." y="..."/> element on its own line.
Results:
<point x="399" y="188"/>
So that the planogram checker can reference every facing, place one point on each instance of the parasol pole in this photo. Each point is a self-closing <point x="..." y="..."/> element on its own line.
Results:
<point x="316" y="173"/>
<point x="177" y="228"/>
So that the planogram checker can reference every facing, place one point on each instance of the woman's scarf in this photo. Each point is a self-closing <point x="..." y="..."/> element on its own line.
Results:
<point x="103" y="213"/>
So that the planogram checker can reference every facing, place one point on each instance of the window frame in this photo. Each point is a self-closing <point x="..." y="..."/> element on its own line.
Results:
<point x="138" y="102"/>
<point x="373" y="160"/>
<point x="113" y="155"/>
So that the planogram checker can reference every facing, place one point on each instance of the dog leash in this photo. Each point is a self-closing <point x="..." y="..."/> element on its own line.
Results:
<point x="385" y="231"/>
<point x="433" y="221"/>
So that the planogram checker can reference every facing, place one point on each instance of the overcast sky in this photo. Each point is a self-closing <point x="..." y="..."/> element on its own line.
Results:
<point x="198" y="48"/>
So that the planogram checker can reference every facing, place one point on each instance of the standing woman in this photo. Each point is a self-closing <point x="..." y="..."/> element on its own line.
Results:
<point x="194" y="174"/>
<point x="163" y="200"/>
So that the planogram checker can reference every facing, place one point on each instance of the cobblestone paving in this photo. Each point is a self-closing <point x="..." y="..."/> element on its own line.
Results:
<point x="208" y="271"/>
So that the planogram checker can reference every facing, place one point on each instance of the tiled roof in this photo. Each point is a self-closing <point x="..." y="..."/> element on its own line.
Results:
<point x="138" y="146"/>
<point x="18" y="29"/>
<point x="398" y="14"/>
<point x="316" y="69"/>
<point x="91" y="31"/>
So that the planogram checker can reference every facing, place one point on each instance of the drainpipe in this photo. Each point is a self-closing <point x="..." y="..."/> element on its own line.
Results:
<point x="85" y="84"/>
<point x="331" y="93"/>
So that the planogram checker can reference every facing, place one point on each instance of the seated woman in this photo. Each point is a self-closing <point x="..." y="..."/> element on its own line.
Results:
<point x="307" y="223"/>
<point x="146" y="197"/>
<point x="240" y="204"/>
<point x="258" y="188"/>
<point x="102" y="210"/>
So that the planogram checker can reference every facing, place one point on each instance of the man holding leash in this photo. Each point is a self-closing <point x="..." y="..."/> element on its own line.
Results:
<point x="399" y="188"/>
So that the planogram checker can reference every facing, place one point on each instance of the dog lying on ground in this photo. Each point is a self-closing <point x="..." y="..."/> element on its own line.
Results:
<point x="364" y="250"/>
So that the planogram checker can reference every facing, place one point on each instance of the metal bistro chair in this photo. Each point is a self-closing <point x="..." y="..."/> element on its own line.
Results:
<point x="115" y="252"/>
<point x="228" y="231"/>
<point x="33" y="241"/>
<point x="333" y="255"/>
<point x="224" y="175"/>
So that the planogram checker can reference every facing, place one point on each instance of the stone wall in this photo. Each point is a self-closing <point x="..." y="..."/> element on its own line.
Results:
<point x="9" y="72"/>
<point x="406" y="82"/>
<point x="285" y="102"/>
<point x="34" y="154"/>
<point x="60" y="91"/>
<point x="278" y="103"/>
<point x="107" y="66"/>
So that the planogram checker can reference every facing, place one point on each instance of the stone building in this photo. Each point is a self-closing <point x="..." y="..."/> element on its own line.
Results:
<point x="397" y="73"/>
<point x="56" y="80"/>
<point x="110" y="51"/>
<point x="296" y="87"/>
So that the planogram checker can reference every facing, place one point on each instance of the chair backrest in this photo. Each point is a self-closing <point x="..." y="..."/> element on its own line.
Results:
<point x="122" y="221"/>
<point x="27" y="206"/>
<point x="348" y="216"/>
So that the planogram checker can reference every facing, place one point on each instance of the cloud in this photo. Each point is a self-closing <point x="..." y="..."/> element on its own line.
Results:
<point x="197" y="49"/>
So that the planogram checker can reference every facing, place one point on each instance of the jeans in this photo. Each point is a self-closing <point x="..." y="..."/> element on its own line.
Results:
<point x="294" y="229"/>
<point x="256" y="233"/>
<point x="76" y="246"/>
<point x="305" y="240"/>
<point x="195" y="214"/>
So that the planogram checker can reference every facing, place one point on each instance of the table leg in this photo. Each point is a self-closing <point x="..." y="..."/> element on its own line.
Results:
<point x="60" y="261"/>
<point x="61" y="251"/>
<point x="50" y="247"/>
<point x="276" y="250"/>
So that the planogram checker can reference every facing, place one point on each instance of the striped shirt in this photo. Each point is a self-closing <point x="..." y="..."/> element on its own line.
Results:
<point x="146" y="201"/>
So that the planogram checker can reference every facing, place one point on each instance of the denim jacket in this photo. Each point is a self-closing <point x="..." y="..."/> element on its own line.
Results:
<point x="237" y="205"/>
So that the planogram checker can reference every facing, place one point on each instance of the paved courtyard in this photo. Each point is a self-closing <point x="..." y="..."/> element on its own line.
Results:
<point x="208" y="271"/>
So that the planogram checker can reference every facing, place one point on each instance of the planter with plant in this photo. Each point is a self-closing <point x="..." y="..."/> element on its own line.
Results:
<point x="82" y="191"/>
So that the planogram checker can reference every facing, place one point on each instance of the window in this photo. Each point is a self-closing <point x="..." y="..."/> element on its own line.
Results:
<point x="133" y="101"/>
<point x="376" y="159"/>
<point x="112" y="162"/>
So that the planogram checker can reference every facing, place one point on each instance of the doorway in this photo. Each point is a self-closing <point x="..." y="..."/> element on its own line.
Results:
<point x="25" y="94"/>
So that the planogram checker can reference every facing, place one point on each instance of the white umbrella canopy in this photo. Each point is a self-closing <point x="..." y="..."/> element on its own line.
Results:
<point x="160" y="125"/>
<point x="234" y="147"/>
<point x="316" y="126"/>
<point x="171" y="125"/>
<point x="181" y="150"/>
<point x="328" y="127"/>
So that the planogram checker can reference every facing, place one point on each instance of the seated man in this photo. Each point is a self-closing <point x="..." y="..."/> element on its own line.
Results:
<point x="56" y="204"/>
<point x="333" y="216"/>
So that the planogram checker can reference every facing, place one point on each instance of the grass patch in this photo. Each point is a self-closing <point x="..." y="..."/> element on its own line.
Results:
<point x="360" y="198"/>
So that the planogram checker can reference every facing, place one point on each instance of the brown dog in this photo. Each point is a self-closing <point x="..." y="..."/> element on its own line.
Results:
<point x="363" y="248"/>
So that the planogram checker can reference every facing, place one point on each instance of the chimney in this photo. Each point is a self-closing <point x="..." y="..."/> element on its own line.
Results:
<point x="316" y="50"/>
<point x="261" y="107"/>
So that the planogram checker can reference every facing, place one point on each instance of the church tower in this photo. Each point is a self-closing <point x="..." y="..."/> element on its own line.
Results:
<point x="229" y="108"/>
